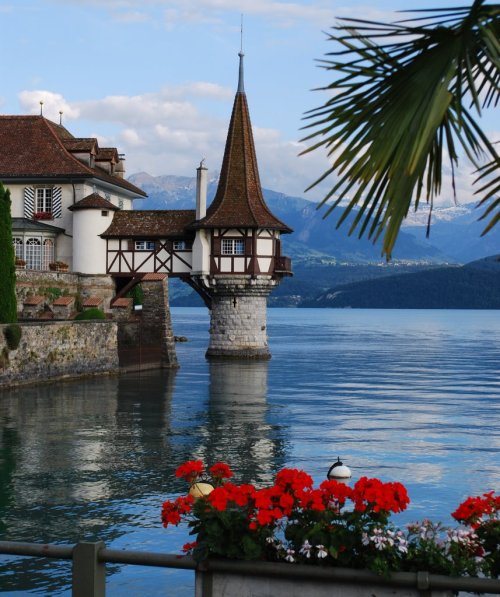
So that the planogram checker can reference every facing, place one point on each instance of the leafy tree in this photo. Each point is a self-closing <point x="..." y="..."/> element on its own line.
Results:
<point x="408" y="93"/>
<point x="8" y="304"/>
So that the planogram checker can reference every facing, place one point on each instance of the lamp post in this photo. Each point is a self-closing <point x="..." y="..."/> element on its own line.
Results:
<point x="339" y="471"/>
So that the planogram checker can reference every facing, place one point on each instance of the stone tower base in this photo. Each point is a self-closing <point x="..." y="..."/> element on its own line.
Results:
<point x="238" y="320"/>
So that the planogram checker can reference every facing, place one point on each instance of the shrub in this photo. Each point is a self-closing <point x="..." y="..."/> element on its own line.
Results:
<point x="137" y="294"/>
<point x="8" y="304"/>
<point x="90" y="314"/>
<point x="13" y="333"/>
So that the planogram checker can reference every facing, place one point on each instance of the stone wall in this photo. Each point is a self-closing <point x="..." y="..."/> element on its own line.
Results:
<point x="51" y="285"/>
<point x="55" y="350"/>
<point x="238" y="318"/>
<point x="156" y="328"/>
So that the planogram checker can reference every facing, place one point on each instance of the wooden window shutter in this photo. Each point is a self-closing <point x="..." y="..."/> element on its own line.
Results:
<point x="278" y="247"/>
<point x="248" y="245"/>
<point x="56" y="202"/>
<point x="29" y="202"/>
<point x="157" y="245"/>
<point x="169" y="244"/>
<point x="216" y="245"/>
<point x="130" y="245"/>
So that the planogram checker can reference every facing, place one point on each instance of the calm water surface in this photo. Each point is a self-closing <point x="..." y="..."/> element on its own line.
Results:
<point x="412" y="396"/>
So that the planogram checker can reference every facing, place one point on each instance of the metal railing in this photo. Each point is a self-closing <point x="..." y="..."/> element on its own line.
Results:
<point x="90" y="559"/>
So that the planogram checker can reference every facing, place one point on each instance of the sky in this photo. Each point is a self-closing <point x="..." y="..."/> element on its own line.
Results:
<point x="157" y="78"/>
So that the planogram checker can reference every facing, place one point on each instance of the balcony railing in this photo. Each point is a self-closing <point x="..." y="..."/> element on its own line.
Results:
<point x="283" y="266"/>
<point x="89" y="571"/>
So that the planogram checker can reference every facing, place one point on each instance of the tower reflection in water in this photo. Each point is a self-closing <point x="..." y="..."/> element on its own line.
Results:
<point x="237" y="428"/>
<point x="94" y="459"/>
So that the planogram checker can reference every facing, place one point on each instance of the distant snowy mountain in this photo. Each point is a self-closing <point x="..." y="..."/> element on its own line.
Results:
<point x="324" y="257"/>
<point x="439" y="214"/>
<point x="456" y="231"/>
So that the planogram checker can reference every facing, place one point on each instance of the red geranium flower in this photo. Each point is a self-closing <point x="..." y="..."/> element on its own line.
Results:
<point x="188" y="547"/>
<point x="220" y="470"/>
<point x="190" y="470"/>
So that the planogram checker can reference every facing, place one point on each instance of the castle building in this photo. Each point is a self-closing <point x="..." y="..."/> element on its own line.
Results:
<point x="50" y="173"/>
<point x="71" y="203"/>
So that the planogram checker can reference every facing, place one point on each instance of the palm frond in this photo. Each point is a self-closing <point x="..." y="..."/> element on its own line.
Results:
<point x="397" y="106"/>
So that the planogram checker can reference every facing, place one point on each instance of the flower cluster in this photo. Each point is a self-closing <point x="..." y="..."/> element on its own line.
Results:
<point x="332" y="524"/>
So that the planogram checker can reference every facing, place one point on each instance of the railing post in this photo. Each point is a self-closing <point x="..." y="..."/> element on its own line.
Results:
<point x="89" y="575"/>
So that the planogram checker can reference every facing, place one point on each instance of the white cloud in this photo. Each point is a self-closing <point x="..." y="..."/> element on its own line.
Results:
<point x="168" y="132"/>
<point x="215" y="12"/>
<point x="53" y="103"/>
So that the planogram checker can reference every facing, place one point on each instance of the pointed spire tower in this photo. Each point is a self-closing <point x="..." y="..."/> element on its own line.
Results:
<point x="239" y="200"/>
<point x="241" y="236"/>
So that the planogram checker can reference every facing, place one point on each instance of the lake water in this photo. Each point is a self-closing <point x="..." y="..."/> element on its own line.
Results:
<point x="412" y="396"/>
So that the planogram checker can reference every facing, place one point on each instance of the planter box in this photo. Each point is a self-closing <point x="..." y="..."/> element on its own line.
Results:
<point x="266" y="579"/>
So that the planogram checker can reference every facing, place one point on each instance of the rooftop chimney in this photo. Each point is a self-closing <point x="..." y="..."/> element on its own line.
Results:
<point x="201" y="190"/>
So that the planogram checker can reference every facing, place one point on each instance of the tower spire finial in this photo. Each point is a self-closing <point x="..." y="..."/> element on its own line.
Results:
<point x="241" y="87"/>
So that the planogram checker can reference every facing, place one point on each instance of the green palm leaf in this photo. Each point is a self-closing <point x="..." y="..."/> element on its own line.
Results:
<point x="399" y="105"/>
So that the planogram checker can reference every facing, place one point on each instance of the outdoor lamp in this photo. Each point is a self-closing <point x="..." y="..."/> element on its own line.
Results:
<point x="339" y="471"/>
<point x="200" y="489"/>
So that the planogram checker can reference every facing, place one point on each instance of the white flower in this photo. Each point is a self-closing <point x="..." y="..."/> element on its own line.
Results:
<point x="365" y="540"/>
<point x="321" y="551"/>
<point x="306" y="549"/>
<point x="289" y="555"/>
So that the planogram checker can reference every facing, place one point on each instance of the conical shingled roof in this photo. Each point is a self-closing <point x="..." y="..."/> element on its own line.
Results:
<point x="239" y="202"/>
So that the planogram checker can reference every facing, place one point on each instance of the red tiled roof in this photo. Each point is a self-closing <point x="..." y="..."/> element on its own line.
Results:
<point x="122" y="303"/>
<point x="150" y="224"/>
<point x="107" y="154"/>
<point x="33" y="300"/>
<point x="64" y="301"/>
<point x="93" y="201"/>
<point x="81" y="144"/>
<point x="34" y="147"/>
<point x="239" y="200"/>
<point x="92" y="301"/>
<point x="153" y="277"/>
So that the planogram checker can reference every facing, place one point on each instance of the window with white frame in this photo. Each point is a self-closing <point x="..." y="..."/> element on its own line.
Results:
<point x="233" y="246"/>
<point x="18" y="247"/>
<point x="48" y="253"/>
<point x="44" y="200"/>
<point x="144" y="245"/>
<point x="180" y="245"/>
<point x="33" y="253"/>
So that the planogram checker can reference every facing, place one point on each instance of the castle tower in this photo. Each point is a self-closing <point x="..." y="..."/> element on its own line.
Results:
<point x="239" y="237"/>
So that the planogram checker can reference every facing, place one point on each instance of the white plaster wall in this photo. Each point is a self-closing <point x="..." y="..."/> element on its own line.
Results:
<point x="17" y="200"/>
<point x="264" y="264"/>
<point x="225" y="264"/>
<point x="264" y="246"/>
<point x="201" y="253"/>
<point x="179" y="266"/>
<point x="89" y="250"/>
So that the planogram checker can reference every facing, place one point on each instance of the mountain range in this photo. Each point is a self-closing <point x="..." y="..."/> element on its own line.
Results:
<point x="325" y="257"/>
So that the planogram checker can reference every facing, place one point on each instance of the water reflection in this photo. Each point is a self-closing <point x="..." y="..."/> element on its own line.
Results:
<point x="237" y="428"/>
<point x="413" y="397"/>
<point x="94" y="459"/>
<point x="75" y="457"/>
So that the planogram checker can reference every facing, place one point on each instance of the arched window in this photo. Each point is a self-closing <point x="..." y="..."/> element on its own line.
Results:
<point x="48" y="253"/>
<point x="18" y="247"/>
<point x="33" y="253"/>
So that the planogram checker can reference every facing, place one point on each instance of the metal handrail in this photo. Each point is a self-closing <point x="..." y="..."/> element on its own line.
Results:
<point x="89" y="561"/>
